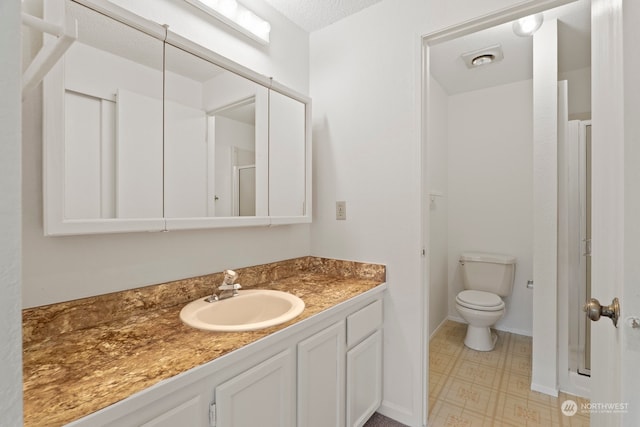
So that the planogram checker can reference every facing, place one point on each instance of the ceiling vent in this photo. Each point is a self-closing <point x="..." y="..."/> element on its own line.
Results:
<point x="480" y="57"/>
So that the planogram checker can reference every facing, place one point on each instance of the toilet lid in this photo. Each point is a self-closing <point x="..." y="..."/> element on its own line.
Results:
<point x="480" y="300"/>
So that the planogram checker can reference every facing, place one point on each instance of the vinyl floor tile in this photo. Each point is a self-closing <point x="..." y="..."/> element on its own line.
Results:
<point x="469" y="388"/>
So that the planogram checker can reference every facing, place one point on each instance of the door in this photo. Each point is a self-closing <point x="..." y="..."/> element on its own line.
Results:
<point x="613" y="171"/>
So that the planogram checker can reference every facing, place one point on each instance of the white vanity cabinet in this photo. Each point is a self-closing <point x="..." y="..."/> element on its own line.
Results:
<point x="325" y="370"/>
<point x="321" y="378"/>
<point x="364" y="363"/>
<point x="262" y="396"/>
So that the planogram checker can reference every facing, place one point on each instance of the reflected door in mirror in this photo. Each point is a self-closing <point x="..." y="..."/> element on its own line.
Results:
<point x="112" y="142"/>
<point x="215" y="131"/>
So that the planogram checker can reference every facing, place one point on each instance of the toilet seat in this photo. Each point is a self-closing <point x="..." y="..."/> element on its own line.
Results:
<point x="480" y="300"/>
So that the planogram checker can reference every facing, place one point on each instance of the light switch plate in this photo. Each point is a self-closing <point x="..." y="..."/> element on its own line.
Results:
<point x="341" y="210"/>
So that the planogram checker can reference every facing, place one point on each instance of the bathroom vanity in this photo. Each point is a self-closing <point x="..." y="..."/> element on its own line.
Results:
<point x="145" y="130"/>
<point x="126" y="359"/>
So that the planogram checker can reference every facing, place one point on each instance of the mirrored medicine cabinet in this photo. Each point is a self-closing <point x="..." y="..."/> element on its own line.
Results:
<point x="147" y="131"/>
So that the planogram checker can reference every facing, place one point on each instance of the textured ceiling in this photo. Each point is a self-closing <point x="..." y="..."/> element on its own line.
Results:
<point x="312" y="15"/>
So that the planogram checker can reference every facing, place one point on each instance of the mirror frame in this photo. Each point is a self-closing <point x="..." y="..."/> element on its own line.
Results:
<point x="55" y="223"/>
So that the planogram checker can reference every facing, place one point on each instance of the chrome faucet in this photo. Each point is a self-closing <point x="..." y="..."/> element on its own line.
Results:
<point x="228" y="289"/>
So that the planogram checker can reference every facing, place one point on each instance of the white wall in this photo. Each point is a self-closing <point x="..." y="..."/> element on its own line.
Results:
<point x="579" y="92"/>
<point x="64" y="268"/>
<point x="10" y="249"/>
<point x="437" y="181"/>
<point x="366" y="152"/>
<point x="491" y="188"/>
<point x="366" y="89"/>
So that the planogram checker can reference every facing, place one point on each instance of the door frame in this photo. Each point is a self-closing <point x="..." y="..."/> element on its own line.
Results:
<point x="499" y="17"/>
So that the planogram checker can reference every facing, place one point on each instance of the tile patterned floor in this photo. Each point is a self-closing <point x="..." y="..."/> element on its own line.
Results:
<point x="470" y="388"/>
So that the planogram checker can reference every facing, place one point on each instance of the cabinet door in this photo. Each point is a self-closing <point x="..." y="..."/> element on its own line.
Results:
<point x="321" y="378"/>
<point x="364" y="379"/>
<point x="262" y="396"/>
<point x="186" y="414"/>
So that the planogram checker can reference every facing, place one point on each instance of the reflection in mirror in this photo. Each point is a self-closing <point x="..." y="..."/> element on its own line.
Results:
<point x="215" y="140"/>
<point x="287" y="153"/>
<point x="112" y="120"/>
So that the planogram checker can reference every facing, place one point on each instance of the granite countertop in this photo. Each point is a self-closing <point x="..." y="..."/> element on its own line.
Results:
<point x="83" y="356"/>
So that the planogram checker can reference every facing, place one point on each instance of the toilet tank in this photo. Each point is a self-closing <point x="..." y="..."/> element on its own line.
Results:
<point x="488" y="272"/>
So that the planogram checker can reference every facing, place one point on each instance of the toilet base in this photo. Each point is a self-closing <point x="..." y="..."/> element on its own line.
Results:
<point x="480" y="338"/>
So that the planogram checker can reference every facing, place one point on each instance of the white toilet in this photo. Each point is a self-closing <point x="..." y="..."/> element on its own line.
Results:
<point x="487" y="278"/>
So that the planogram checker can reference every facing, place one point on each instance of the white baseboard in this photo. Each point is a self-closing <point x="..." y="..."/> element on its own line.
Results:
<point x="499" y="328"/>
<point x="435" y="331"/>
<point x="577" y="385"/>
<point x="544" y="389"/>
<point x="399" y="414"/>
<point x="457" y="319"/>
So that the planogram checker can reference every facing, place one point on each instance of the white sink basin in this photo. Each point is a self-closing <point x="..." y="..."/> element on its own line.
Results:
<point x="248" y="311"/>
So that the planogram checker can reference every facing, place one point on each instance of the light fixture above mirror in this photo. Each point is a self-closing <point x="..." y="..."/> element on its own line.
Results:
<point x="236" y="16"/>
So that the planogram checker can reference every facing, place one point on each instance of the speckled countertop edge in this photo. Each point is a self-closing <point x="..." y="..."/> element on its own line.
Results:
<point x="73" y="374"/>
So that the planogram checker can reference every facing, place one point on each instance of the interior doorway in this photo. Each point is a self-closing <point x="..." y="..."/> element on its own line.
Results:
<point x="439" y="200"/>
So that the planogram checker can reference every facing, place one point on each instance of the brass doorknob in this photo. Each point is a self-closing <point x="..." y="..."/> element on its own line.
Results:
<point x="594" y="310"/>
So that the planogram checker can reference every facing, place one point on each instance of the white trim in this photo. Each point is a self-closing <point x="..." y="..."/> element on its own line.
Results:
<point x="175" y="224"/>
<point x="516" y="331"/>
<point x="51" y="51"/>
<point x="435" y="331"/>
<point x="577" y="385"/>
<point x="566" y="163"/>
<point x="544" y="389"/>
<point x="493" y="19"/>
<point x="581" y="269"/>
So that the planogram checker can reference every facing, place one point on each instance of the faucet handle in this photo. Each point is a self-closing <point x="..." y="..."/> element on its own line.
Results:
<point x="228" y="287"/>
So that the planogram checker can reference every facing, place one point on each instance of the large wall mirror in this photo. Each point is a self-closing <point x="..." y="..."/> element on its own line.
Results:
<point x="145" y="130"/>
<point x="216" y="140"/>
